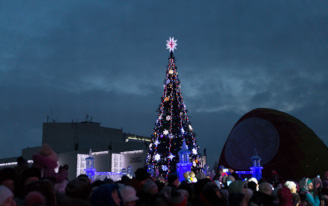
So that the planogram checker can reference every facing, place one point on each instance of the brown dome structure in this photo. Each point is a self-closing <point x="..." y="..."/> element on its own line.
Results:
<point x="284" y="143"/>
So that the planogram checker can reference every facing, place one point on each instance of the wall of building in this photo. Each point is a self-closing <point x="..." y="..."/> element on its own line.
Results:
<point x="135" y="159"/>
<point x="72" y="141"/>
<point x="64" y="137"/>
<point x="69" y="158"/>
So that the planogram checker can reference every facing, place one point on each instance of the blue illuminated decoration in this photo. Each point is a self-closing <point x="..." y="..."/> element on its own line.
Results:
<point x="90" y="166"/>
<point x="129" y="171"/>
<point x="256" y="168"/>
<point x="93" y="174"/>
<point x="184" y="164"/>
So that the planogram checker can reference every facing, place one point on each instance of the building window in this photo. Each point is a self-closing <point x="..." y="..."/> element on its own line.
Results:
<point x="80" y="166"/>
<point x="116" y="162"/>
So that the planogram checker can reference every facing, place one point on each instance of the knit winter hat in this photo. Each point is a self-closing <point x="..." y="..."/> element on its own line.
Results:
<point x="147" y="187"/>
<point x="45" y="187"/>
<point x="141" y="174"/>
<point x="128" y="194"/>
<point x="80" y="188"/>
<point x="4" y="194"/>
<point x="177" y="198"/>
<point x="46" y="150"/>
<point x="236" y="187"/>
<point x="266" y="188"/>
<point x="290" y="184"/>
<point x="34" y="198"/>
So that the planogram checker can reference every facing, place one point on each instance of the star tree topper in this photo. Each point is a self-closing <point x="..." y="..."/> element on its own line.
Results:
<point x="171" y="44"/>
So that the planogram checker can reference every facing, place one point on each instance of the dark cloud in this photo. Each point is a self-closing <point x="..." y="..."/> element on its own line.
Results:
<point x="108" y="59"/>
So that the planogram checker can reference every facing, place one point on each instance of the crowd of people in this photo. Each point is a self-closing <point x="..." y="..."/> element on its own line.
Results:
<point x="40" y="185"/>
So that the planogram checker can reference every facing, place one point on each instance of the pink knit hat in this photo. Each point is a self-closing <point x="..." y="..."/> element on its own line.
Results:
<point x="47" y="151"/>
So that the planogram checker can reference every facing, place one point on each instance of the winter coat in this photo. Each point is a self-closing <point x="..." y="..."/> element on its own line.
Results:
<point x="47" y="167"/>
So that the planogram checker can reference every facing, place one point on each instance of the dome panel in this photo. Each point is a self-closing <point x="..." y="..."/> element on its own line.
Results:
<point x="298" y="153"/>
<point x="253" y="134"/>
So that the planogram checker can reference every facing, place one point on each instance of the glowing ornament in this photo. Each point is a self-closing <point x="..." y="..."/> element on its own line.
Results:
<point x="190" y="127"/>
<point x="182" y="131"/>
<point x="166" y="99"/>
<point x="170" y="71"/>
<point x="164" y="168"/>
<point x="160" y="117"/>
<point x="168" y="81"/>
<point x="171" y="156"/>
<point x="156" y="143"/>
<point x="194" y="151"/>
<point x="171" y="136"/>
<point x="157" y="157"/>
<point x="165" y="132"/>
<point x="171" y="44"/>
<point x="168" y="118"/>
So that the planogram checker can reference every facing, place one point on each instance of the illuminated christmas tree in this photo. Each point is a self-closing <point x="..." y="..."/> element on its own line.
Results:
<point x="172" y="125"/>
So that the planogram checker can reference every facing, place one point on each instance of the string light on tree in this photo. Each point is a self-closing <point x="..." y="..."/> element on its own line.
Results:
<point x="164" y="168"/>
<point x="156" y="142"/>
<point x="182" y="131"/>
<point x="172" y="124"/>
<point x="157" y="157"/>
<point x="171" y="156"/>
<point x="166" y="132"/>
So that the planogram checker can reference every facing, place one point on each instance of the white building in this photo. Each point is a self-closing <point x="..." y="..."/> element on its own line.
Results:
<point x="112" y="148"/>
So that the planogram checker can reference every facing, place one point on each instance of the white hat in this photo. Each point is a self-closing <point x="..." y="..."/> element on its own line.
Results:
<point x="253" y="179"/>
<point x="128" y="194"/>
<point x="290" y="184"/>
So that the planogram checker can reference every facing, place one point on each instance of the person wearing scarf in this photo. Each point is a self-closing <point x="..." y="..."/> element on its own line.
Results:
<point x="306" y="186"/>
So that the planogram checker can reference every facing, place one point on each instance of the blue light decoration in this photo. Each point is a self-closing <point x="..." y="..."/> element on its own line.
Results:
<point x="90" y="166"/>
<point x="123" y="171"/>
<point x="129" y="171"/>
<point x="184" y="164"/>
<point x="256" y="168"/>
